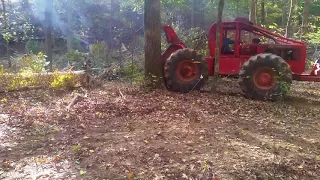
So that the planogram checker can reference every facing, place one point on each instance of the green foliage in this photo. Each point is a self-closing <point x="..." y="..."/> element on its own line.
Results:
<point x="98" y="49"/>
<point x="133" y="73"/>
<point x="134" y="5"/>
<point x="309" y="64"/>
<point x="2" y="70"/>
<point x="285" y="87"/>
<point x="7" y="36"/>
<point x="314" y="37"/>
<point x="63" y="81"/>
<point x="196" y="38"/>
<point x="34" y="46"/>
<point x="76" y="148"/>
<point x="75" y="58"/>
<point x="99" y="54"/>
<point x="32" y="63"/>
<point x="18" y="81"/>
<point x="26" y="67"/>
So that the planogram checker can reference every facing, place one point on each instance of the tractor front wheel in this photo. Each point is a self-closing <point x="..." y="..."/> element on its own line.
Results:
<point x="185" y="71"/>
<point x="265" y="77"/>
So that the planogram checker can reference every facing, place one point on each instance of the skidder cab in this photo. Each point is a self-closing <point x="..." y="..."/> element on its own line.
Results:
<point x="265" y="62"/>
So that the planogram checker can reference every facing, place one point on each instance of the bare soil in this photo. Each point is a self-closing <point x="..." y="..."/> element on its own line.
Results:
<point x="139" y="134"/>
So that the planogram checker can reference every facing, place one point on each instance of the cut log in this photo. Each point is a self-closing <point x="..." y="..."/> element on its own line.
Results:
<point x="21" y="81"/>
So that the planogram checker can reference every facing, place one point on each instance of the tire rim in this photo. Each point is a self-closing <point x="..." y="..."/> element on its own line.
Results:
<point x="264" y="78"/>
<point x="187" y="71"/>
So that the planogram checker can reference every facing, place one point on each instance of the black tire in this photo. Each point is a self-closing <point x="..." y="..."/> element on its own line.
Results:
<point x="281" y="76"/>
<point x="174" y="83"/>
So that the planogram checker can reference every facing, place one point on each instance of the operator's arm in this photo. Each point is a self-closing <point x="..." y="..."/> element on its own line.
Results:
<point x="231" y="41"/>
<point x="227" y="41"/>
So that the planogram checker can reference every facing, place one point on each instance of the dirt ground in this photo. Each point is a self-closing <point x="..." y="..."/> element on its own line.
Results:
<point x="121" y="132"/>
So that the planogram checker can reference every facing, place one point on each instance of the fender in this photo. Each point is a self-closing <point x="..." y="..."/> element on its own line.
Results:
<point x="171" y="35"/>
<point x="171" y="49"/>
<point x="173" y="40"/>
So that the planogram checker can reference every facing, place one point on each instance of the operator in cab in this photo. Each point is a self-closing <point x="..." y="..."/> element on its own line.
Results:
<point x="226" y="46"/>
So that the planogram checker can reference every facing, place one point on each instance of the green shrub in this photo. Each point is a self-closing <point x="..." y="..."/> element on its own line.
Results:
<point x="34" y="46"/>
<point x="133" y="73"/>
<point x="99" y="56"/>
<point x="98" y="49"/>
<point x="64" y="81"/>
<point x="33" y="63"/>
<point x="2" y="70"/>
<point x="194" y="38"/>
<point x="75" y="58"/>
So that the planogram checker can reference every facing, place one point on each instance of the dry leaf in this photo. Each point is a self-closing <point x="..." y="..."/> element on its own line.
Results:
<point x="130" y="176"/>
<point x="82" y="172"/>
<point x="5" y="164"/>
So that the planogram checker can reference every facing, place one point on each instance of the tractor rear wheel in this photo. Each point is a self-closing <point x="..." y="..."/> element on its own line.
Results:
<point x="185" y="71"/>
<point x="265" y="77"/>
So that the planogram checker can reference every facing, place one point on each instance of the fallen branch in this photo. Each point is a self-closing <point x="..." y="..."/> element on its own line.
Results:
<point x="106" y="73"/>
<point x="122" y="95"/>
<point x="74" y="101"/>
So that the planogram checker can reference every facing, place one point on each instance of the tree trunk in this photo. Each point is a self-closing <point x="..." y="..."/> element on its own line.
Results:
<point x="6" y="26"/>
<point x="193" y="13"/>
<point x="306" y="12"/>
<point x="237" y="9"/>
<point x="110" y="29"/>
<point x="294" y="18"/>
<point x="27" y="9"/>
<point x="263" y="13"/>
<point x="120" y="55"/>
<point x="284" y="18"/>
<point x="253" y="11"/>
<point x="218" y="49"/>
<point x="70" y="26"/>
<point x="152" y="25"/>
<point x="288" y="26"/>
<point x="291" y="27"/>
<point x="48" y="27"/>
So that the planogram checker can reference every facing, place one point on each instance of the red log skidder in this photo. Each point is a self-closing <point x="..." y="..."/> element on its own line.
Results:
<point x="265" y="62"/>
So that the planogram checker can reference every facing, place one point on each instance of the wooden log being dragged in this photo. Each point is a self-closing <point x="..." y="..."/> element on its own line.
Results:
<point x="21" y="81"/>
<point x="43" y="74"/>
